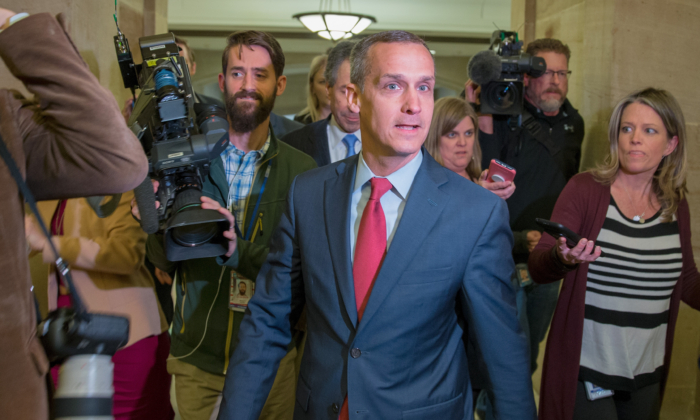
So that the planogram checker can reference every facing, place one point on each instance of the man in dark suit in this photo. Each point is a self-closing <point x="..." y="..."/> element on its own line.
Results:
<point x="338" y="136"/>
<point x="391" y="253"/>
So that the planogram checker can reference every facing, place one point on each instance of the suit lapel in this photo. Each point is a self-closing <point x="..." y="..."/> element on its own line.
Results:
<point x="337" y="198"/>
<point x="320" y="139"/>
<point x="423" y="208"/>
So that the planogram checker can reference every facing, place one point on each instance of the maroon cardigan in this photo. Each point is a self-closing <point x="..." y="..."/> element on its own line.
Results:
<point x="582" y="207"/>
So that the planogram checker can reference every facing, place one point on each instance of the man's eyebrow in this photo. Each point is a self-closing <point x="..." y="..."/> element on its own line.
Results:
<point x="260" y="69"/>
<point x="399" y="76"/>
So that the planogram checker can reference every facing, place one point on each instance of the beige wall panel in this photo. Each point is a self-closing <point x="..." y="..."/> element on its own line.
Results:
<point x="680" y="388"/>
<point x="567" y="26"/>
<point x="598" y="19"/>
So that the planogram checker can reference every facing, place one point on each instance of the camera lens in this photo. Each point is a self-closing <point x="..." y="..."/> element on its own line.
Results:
<point x="194" y="232"/>
<point x="195" y="235"/>
<point x="503" y="96"/>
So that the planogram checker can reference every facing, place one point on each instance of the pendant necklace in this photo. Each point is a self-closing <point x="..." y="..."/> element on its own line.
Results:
<point x="637" y="217"/>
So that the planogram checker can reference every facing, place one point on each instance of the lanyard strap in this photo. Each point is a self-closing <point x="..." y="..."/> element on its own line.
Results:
<point x="61" y="265"/>
<point x="249" y="231"/>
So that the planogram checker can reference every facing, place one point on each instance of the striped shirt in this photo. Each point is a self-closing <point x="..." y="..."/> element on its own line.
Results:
<point x="240" y="171"/>
<point x="628" y="294"/>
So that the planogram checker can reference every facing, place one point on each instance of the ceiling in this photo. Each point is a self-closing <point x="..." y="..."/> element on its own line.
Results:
<point x="452" y="27"/>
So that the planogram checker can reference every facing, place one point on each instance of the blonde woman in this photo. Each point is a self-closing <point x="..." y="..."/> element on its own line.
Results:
<point x="614" y="323"/>
<point x="318" y="106"/>
<point x="452" y="142"/>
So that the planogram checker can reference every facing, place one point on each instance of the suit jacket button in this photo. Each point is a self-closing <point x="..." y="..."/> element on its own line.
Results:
<point x="336" y="408"/>
<point x="355" y="353"/>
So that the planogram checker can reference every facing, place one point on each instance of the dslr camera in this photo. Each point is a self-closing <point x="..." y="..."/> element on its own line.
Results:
<point x="501" y="70"/>
<point x="180" y="138"/>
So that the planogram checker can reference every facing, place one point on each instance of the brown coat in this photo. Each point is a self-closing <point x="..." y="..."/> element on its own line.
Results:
<point x="71" y="142"/>
<point x="106" y="257"/>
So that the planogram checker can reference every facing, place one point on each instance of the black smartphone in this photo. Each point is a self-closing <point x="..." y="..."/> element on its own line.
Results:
<point x="557" y="230"/>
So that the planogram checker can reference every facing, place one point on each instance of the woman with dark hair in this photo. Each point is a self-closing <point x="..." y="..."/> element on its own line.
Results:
<point x="318" y="106"/>
<point x="609" y="345"/>
<point x="452" y="142"/>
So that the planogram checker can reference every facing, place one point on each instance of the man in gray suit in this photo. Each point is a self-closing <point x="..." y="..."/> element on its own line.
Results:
<point x="338" y="136"/>
<point x="392" y="254"/>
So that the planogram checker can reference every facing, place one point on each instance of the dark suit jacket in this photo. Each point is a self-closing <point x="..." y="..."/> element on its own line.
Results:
<point x="406" y="358"/>
<point x="283" y="125"/>
<point x="312" y="139"/>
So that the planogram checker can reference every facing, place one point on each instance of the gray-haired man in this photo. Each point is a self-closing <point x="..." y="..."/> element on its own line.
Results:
<point x="337" y="137"/>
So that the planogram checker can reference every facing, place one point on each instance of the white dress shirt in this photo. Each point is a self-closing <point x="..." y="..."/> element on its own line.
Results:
<point x="336" y="147"/>
<point x="393" y="202"/>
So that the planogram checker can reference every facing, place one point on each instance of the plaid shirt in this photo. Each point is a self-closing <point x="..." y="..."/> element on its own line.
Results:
<point x="240" y="171"/>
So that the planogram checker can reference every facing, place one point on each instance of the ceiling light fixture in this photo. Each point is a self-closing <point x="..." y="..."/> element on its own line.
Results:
<point x="335" y="26"/>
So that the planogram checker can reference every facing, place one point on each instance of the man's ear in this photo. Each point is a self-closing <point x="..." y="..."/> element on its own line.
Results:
<point x="352" y="93"/>
<point x="281" y="84"/>
<point x="222" y="81"/>
<point x="526" y="81"/>
<point x="193" y="69"/>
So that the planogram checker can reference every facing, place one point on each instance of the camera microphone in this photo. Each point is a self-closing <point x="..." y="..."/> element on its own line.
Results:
<point x="146" y="198"/>
<point x="484" y="67"/>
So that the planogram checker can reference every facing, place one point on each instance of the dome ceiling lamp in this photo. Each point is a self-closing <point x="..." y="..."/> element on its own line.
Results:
<point x="335" y="26"/>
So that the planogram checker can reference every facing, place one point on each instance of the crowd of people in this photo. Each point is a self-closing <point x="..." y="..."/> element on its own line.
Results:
<point x="373" y="267"/>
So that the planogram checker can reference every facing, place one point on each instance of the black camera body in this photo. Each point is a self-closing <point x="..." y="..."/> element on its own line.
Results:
<point x="505" y="95"/>
<point x="180" y="138"/>
<point x="65" y="333"/>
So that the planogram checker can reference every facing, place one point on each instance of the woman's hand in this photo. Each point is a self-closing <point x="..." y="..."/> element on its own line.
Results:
<point x="502" y="189"/>
<point x="584" y="251"/>
<point x="230" y="234"/>
<point x="36" y="241"/>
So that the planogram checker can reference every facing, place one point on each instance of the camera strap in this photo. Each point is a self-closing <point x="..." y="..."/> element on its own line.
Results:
<point x="61" y="266"/>
<point x="540" y="134"/>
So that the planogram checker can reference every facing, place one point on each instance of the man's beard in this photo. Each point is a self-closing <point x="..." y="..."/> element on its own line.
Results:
<point x="244" y="117"/>
<point x="550" y="105"/>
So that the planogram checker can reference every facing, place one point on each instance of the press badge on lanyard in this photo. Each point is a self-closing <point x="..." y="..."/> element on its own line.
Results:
<point x="242" y="288"/>
<point x="240" y="292"/>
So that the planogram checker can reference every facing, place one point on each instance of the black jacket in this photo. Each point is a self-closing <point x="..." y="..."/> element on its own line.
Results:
<point x="543" y="169"/>
<point x="312" y="139"/>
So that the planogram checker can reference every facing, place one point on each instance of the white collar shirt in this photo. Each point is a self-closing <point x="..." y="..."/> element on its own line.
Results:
<point x="393" y="202"/>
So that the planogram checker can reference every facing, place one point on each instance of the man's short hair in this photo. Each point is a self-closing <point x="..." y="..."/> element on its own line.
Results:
<point x="190" y="53"/>
<point x="336" y="56"/>
<point x="548" y="45"/>
<point x="359" y="63"/>
<point x="261" y="39"/>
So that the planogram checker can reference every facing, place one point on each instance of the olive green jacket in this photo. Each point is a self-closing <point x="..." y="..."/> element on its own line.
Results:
<point x="203" y="285"/>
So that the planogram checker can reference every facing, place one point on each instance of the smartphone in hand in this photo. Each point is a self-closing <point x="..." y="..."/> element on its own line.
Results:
<point x="500" y="172"/>
<point x="557" y="230"/>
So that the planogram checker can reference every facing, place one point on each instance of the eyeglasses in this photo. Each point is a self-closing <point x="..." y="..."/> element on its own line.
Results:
<point x="563" y="74"/>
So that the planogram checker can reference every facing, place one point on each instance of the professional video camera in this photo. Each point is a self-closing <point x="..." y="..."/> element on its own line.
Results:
<point x="179" y="143"/>
<point x="500" y="72"/>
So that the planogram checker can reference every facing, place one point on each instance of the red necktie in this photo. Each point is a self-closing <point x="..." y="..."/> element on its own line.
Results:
<point x="370" y="249"/>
